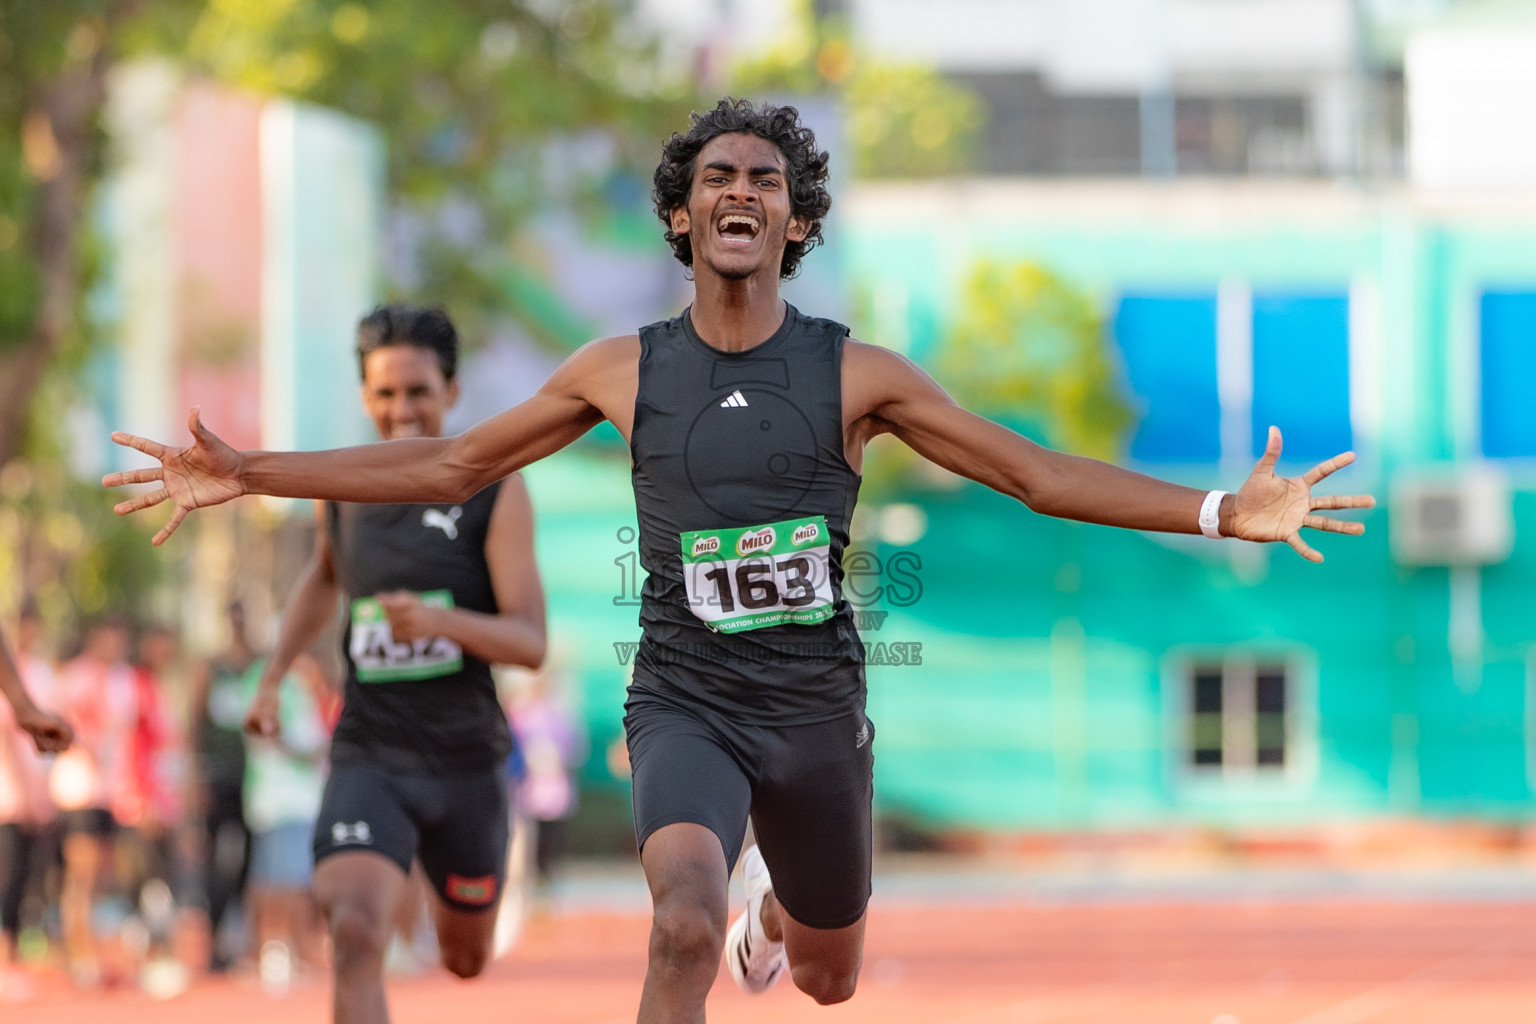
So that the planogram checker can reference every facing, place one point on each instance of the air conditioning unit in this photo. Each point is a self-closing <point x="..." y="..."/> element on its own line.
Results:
<point x="1460" y="519"/>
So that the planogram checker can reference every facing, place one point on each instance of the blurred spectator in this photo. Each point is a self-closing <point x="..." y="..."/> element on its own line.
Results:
<point x="552" y="745"/>
<point x="217" y="701"/>
<point x="284" y="777"/>
<point x="27" y="812"/>
<point x="153" y="806"/>
<point x="93" y="782"/>
<point x="149" y="851"/>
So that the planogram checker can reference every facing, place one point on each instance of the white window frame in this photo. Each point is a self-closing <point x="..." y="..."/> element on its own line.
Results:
<point x="1240" y="663"/>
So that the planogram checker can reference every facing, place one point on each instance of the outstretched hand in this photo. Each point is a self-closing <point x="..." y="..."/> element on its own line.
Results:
<point x="1271" y="508"/>
<point x="207" y="473"/>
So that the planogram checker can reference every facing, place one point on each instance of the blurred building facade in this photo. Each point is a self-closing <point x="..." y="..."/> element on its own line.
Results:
<point x="1084" y="677"/>
<point x="1277" y="88"/>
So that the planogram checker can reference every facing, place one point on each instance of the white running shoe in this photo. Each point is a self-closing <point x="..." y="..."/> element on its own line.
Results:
<point x="755" y="962"/>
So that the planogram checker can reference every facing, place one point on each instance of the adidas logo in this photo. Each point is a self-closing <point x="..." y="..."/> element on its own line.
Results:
<point x="736" y="401"/>
<point x="862" y="737"/>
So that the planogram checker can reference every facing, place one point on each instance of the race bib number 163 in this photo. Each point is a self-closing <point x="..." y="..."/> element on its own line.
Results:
<point x="747" y="578"/>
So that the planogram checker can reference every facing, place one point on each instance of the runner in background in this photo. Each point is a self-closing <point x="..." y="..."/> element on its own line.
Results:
<point x="434" y="594"/>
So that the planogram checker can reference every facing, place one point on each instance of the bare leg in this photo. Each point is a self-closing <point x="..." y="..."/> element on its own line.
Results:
<point x="83" y="856"/>
<point x="823" y="961"/>
<point x="685" y="869"/>
<point x="257" y="902"/>
<point x="359" y="892"/>
<point x="304" y="924"/>
<point x="465" y="937"/>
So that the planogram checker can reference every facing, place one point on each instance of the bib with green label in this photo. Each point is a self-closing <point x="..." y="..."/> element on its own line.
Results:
<point x="378" y="658"/>
<point x="755" y="576"/>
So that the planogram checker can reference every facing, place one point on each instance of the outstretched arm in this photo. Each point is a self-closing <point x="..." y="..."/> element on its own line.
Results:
<point x="409" y="470"/>
<point x="48" y="731"/>
<point x="902" y="400"/>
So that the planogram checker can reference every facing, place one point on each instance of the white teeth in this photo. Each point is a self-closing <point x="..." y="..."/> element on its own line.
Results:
<point x="730" y="219"/>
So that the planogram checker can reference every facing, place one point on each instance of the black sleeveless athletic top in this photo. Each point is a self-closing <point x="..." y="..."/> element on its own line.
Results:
<point x="729" y="440"/>
<point x="427" y="707"/>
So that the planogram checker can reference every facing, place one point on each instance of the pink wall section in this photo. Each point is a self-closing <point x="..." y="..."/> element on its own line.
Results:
<point x="217" y="220"/>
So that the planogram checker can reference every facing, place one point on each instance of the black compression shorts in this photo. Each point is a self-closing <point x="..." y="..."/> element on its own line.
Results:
<point x="455" y="824"/>
<point x="808" y="789"/>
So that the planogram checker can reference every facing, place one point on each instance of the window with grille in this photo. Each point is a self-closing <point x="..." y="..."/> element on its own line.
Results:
<point x="1239" y="715"/>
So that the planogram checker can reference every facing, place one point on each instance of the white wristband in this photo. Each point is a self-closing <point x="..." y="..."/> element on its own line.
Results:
<point x="1210" y="514"/>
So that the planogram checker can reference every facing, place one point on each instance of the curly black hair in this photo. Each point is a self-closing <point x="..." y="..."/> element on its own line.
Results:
<point x="806" y="173"/>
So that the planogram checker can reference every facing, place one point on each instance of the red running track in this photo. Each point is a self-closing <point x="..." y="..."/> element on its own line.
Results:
<point x="1238" y="962"/>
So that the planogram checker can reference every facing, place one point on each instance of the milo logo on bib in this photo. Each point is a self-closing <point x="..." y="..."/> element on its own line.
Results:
<point x="379" y="658"/>
<point x="750" y="577"/>
<point x="757" y="540"/>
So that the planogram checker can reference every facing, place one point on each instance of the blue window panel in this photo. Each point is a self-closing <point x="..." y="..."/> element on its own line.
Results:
<point x="1301" y="373"/>
<point x="1169" y="345"/>
<point x="1509" y="367"/>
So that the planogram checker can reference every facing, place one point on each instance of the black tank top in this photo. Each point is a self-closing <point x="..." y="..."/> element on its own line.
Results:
<point x="427" y="707"/>
<point x="740" y="456"/>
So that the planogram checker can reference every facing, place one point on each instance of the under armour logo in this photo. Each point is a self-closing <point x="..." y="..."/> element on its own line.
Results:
<point x="358" y="832"/>
<point x="736" y="401"/>
<point x="862" y="737"/>
<point x="448" y="523"/>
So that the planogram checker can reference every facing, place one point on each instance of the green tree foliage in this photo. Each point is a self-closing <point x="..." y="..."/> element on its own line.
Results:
<point x="903" y="120"/>
<point x="61" y="545"/>
<point x="1030" y="349"/>
<point x="468" y="95"/>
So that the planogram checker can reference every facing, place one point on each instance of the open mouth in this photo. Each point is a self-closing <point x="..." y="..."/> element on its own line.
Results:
<point x="737" y="227"/>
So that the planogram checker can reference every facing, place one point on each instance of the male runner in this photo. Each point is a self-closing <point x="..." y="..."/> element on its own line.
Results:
<point x="746" y="422"/>
<point x="436" y="593"/>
